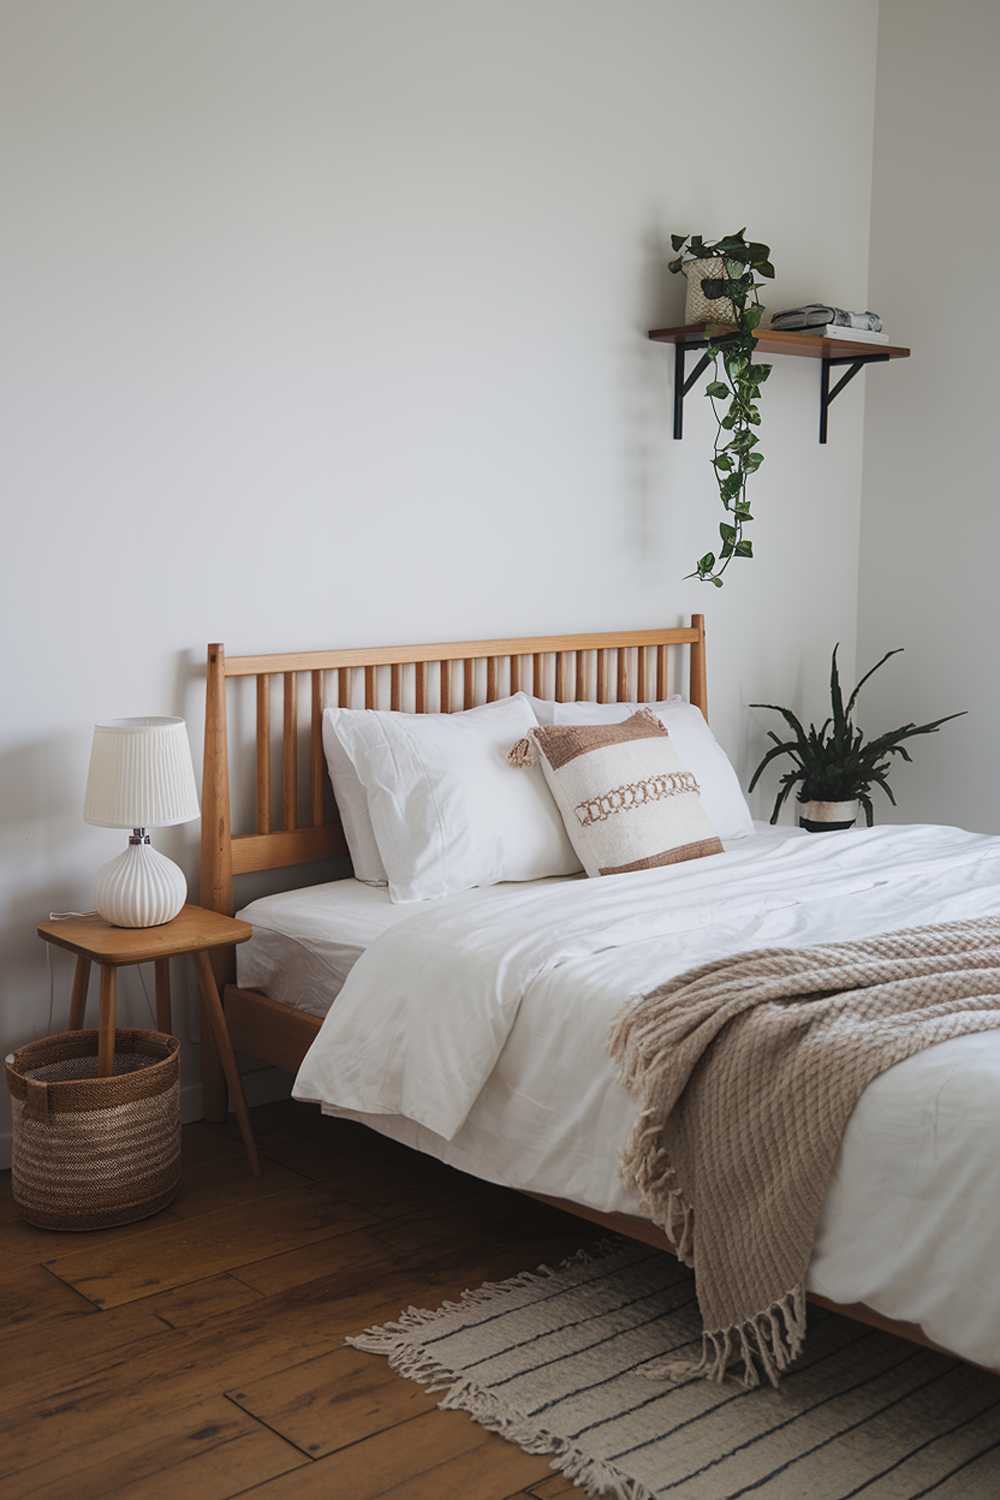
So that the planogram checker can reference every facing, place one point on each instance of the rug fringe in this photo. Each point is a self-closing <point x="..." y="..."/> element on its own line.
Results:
<point x="394" y="1342"/>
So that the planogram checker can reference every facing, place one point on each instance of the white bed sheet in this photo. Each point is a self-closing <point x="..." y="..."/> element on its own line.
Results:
<point x="913" y="1216"/>
<point x="306" y="942"/>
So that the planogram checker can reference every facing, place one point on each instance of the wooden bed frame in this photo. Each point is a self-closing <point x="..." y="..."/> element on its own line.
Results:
<point x="639" y="664"/>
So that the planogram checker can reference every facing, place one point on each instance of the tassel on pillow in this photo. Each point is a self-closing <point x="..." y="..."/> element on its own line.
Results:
<point x="524" y="753"/>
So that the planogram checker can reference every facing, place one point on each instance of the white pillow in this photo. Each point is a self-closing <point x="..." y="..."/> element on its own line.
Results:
<point x="447" y="810"/>
<point x="352" y="800"/>
<point x="721" y="794"/>
<point x="544" y="709"/>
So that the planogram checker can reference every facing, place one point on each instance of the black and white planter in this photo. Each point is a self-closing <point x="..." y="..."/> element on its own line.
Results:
<point x="827" y="817"/>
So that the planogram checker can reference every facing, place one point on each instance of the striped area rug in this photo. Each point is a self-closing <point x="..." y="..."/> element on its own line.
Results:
<point x="553" y="1361"/>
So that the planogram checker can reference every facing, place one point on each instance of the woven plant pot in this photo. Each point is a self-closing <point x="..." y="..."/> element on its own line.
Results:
<point x="697" y="307"/>
<point x="90" y="1152"/>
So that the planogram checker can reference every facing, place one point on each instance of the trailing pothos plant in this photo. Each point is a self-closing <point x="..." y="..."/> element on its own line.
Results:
<point x="835" y="763"/>
<point x="736" y="381"/>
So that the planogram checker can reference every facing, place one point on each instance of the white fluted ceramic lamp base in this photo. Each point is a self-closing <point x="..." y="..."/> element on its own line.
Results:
<point x="140" y="888"/>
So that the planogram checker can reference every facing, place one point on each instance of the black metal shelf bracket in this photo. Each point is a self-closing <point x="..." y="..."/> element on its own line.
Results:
<point x="684" y="380"/>
<point x="682" y="386"/>
<point x="828" y="393"/>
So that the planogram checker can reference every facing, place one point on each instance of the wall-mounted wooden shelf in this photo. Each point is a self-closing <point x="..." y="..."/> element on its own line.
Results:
<point x="831" y="352"/>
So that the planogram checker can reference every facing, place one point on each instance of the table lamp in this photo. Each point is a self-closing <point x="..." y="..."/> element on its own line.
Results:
<point x="140" y="777"/>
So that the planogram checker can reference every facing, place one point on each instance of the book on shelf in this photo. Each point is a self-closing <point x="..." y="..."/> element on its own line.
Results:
<point x="839" y="331"/>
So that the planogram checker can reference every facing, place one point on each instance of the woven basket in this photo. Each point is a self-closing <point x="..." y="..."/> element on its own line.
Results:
<point x="697" y="307"/>
<point x="90" y="1152"/>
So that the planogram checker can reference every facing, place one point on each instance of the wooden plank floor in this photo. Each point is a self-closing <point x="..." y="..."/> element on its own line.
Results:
<point x="201" y="1353"/>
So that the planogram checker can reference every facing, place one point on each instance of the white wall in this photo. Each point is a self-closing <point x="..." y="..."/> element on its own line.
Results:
<point x="931" y="524"/>
<point x="324" y="323"/>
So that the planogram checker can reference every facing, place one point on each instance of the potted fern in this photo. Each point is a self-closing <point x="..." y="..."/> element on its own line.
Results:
<point x="835" y="767"/>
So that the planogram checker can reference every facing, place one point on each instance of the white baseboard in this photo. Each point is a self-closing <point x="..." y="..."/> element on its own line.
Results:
<point x="262" y="1086"/>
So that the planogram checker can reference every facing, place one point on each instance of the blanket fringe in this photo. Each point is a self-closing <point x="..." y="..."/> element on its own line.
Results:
<point x="766" y="1343"/>
<point x="395" y="1342"/>
<point x="646" y="1165"/>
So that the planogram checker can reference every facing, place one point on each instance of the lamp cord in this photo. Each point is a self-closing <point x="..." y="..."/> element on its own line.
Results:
<point x="58" y="916"/>
<point x="61" y="916"/>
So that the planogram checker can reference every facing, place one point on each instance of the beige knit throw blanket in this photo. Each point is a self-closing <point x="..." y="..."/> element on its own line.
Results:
<point x="747" y="1071"/>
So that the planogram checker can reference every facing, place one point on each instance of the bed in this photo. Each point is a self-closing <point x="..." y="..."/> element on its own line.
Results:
<point x="886" y="1254"/>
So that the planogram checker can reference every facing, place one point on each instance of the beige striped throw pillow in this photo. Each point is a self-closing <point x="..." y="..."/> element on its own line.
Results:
<point x="626" y="799"/>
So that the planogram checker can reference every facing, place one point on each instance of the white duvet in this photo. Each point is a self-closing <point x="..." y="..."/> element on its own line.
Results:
<point x="478" y="1031"/>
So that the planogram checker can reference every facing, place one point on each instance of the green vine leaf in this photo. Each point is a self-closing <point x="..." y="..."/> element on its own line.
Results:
<point x="731" y="345"/>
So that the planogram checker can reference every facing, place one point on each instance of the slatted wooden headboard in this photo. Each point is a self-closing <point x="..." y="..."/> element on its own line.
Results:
<point x="435" y="678"/>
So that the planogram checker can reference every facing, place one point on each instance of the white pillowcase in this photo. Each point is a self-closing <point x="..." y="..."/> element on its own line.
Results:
<point x="447" y="811"/>
<point x="544" y="709"/>
<point x="699" y="750"/>
<point x="351" y="799"/>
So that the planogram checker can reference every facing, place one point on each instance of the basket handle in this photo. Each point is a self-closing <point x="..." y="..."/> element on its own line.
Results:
<point x="36" y="1099"/>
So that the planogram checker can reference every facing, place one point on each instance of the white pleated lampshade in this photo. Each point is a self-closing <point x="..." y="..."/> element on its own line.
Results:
<point x="141" y="775"/>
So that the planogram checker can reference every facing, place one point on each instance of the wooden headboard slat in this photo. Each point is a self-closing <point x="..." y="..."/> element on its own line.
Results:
<point x="290" y="756"/>
<point x="384" y="656"/>
<point x="621" y="690"/>
<point x="263" y="755"/>
<point x="296" y="846"/>
<point x="321" y="837"/>
<point x="317" y="760"/>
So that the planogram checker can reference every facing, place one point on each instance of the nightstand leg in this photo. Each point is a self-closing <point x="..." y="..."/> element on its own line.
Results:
<point x="106" y="1035"/>
<point x="161" y="968"/>
<point x="214" y="1017"/>
<point x="213" y="1081"/>
<point x="78" y="995"/>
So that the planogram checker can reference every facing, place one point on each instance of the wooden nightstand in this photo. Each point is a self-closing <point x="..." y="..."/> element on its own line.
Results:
<point x="193" y="930"/>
